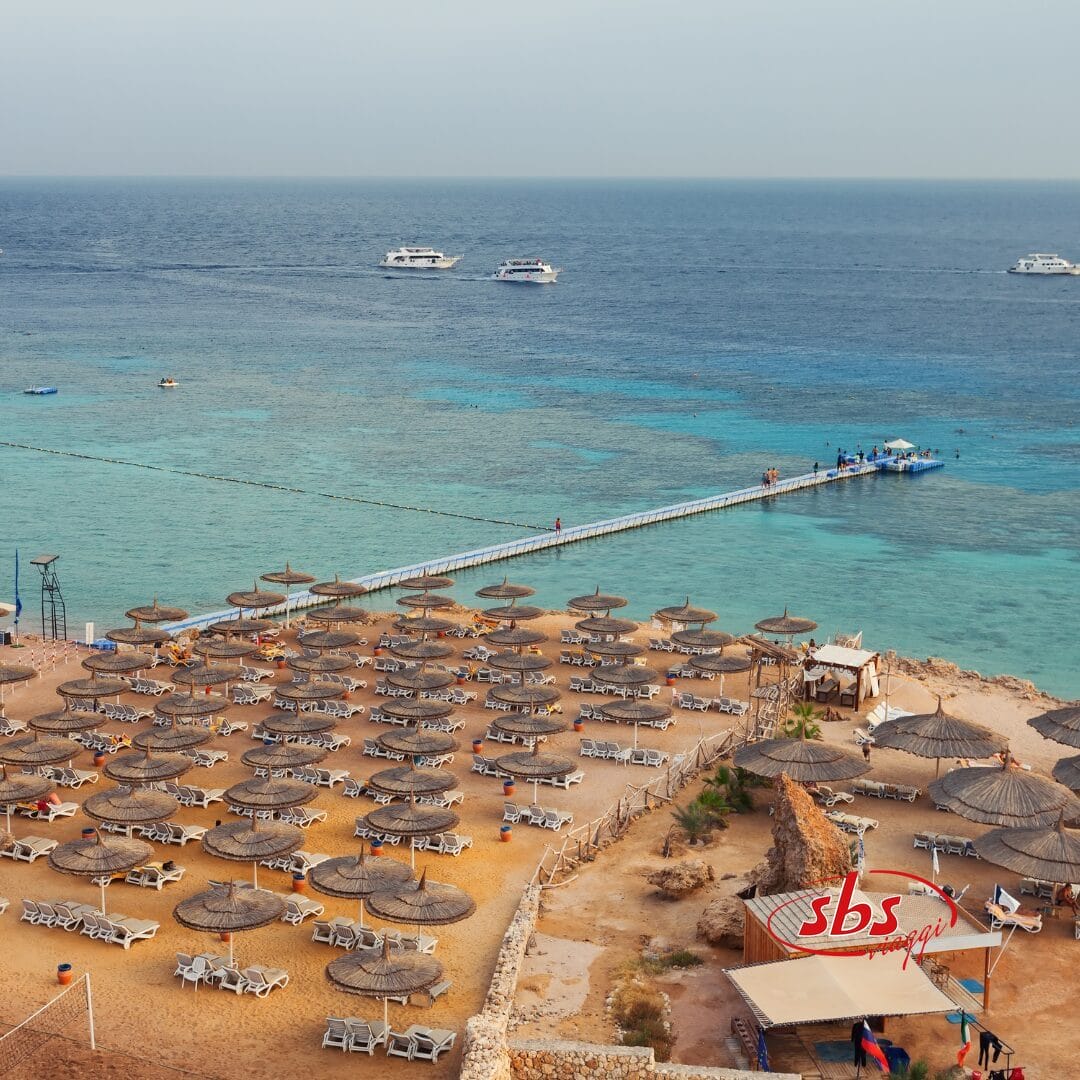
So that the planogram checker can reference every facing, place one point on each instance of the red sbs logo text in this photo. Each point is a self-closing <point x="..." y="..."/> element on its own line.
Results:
<point x="839" y="916"/>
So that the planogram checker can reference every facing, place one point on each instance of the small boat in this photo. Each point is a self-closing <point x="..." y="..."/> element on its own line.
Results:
<point x="40" y="390"/>
<point x="168" y="383"/>
<point x="419" y="258"/>
<point x="1037" y="263"/>
<point x="534" y="271"/>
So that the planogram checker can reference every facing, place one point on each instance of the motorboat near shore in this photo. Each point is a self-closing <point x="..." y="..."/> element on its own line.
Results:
<point x="168" y="383"/>
<point x="40" y="391"/>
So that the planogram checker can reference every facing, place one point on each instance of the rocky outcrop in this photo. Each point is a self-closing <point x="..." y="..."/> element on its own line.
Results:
<point x="681" y="879"/>
<point x="807" y="848"/>
<point x="937" y="668"/>
<point x="721" y="923"/>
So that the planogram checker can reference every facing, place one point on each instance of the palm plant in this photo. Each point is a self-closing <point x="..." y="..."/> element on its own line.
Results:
<point x="802" y="723"/>
<point x="734" y="784"/>
<point x="694" y="821"/>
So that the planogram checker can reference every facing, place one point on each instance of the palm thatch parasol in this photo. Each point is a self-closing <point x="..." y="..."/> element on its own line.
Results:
<point x="337" y="613"/>
<point x="328" y="639"/>
<point x="224" y="650"/>
<point x="145" y="767"/>
<point x="520" y="662"/>
<point x="419" y="679"/>
<point x="338" y="589"/>
<point x="721" y="663"/>
<point x="786" y="625"/>
<point x="514" y="637"/>
<point x="426" y="601"/>
<point x="533" y="766"/>
<point x="92" y="688"/>
<point x="1067" y="772"/>
<point x="320" y="664"/>
<point x="1062" y="725"/>
<point x="1047" y="854"/>
<point x="605" y="624"/>
<point x="410" y="779"/>
<point x="528" y="726"/>
<point x="33" y="750"/>
<point x="130" y="806"/>
<point x="270" y="794"/>
<point x="623" y="650"/>
<point x="288" y="724"/>
<point x="207" y="676"/>
<point x="418" y="742"/>
<point x="702" y="639"/>
<point x="255" y="599"/>
<point x="311" y="691"/>
<point x="14" y="673"/>
<point x="938" y="735"/>
<point x="171" y="739"/>
<point x="277" y="756"/>
<point x="181" y="706"/>
<point x="21" y="787"/>
<point x="417" y="711"/>
<point x="416" y="623"/>
<point x="356" y="877"/>
<point x="425" y="582"/>
<point x="625" y="677"/>
<point x="229" y="910"/>
<point x="250" y="841"/>
<point x="685" y="613"/>
<point x="379" y="973"/>
<point x="411" y="819"/>
<point x="801" y="759"/>
<point x="1004" y="796"/>
<point x="100" y="857"/>
<point x="596" y="601"/>
<point x="423" y="903"/>
<point x="505" y="590"/>
<point x="66" y="722"/>
<point x="241" y="625"/>
<point x="529" y="697"/>
<point x="137" y="635"/>
<point x="513" y="612"/>
<point x="634" y="712"/>
<point x="422" y="650"/>
<point x="288" y="577"/>
<point x="116" y="663"/>
<point x="155" y="613"/>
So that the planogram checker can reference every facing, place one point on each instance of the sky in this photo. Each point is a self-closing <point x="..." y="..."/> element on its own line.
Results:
<point x="634" y="88"/>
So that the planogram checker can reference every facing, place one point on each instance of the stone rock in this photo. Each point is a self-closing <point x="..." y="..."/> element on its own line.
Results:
<point x="721" y="923"/>
<point x="807" y="848"/>
<point x="681" y="879"/>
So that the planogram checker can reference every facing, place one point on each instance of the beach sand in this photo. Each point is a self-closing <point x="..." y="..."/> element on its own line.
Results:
<point x="141" y="1009"/>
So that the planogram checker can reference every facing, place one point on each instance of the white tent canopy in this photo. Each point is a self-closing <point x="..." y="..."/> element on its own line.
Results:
<point x="899" y="444"/>
<point x="822" y="989"/>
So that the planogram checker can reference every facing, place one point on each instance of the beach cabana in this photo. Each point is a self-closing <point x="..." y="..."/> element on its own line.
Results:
<point x="804" y="760"/>
<point x="938" y="735"/>
<point x="288" y="577"/>
<point x="227" y="910"/>
<point x="356" y="877"/>
<point x="854" y="671"/>
<point x="99" y="856"/>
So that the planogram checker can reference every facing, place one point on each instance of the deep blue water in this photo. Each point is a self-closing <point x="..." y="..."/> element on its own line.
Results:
<point x="700" y="332"/>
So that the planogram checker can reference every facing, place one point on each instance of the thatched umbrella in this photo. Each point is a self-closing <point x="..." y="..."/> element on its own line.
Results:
<point x="418" y="711"/>
<point x="622" y="650"/>
<point x="513" y="612"/>
<point x="685" y="613"/>
<point x="1048" y="854"/>
<point x="99" y="856"/>
<point x="228" y="649"/>
<point x="276" y="757"/>
<point x="171" y="739"/>
<point x="422" y="650"/>
<point x="320" y="665"/>
<point x="130" y="806"/>
<point x="356" y="877"/>
<point x="804" y="760"/>
<point x="181" y="706"/>
<point x="241" y="625"/>
<point x="702" y="639"/>
<point x="250" y="841"/>
<point x="65" y="722"/>
<point x="605" y="624"/>
<point x="426" y="601"/>
<point x="338" y="589"/>
<point x="207" y="676"/>
<point x="264" y="796"/>
<point x="1062" y="725"/>
<point x="634" y="712"/>
<point x="145" y="767"/>
<point x="411" y="779"/>
<point x="520" y="662"/>
<point x="720" y="664"/>
<point x="15" y="673"/>
<point x="328" y="639"/>
<point x="418" y="742"/>
<point x="311" y="691"/>
<point x="115" y="663"/>
<point x="422" y="903"/>
<point x="379" y="973"/>
<point x="411" y="819"/>
<point x="505" y="590"/>
<point x="289" y="725"/>
<point x="417" y="623"/>
<point x="1004" y="796"/>
<point x="288" y="577"/>
<point x="1067" y="772"/>
<point x="425" y="582"/>
<point x="229" y="910"/>
<point x="34" y="750"/>
<point x="527" y="697"/>
<point x="527" y="725"/>
<point x="938" y="735"/>
<point x="256" y="599"/>
<point x="596" y="601"/>
<point x="786" y="625"/>
<point x="419" y="679"/>
<point x="516" y="637"/>
<point x="533" y="766"/>
<point x="626" y="677"/>
<point x="92" y="688"/>
<point x="21" y="787"/>
<point x="137" y="635"/>
<point x="155" y="613"/>
<point x="337" y="613"/>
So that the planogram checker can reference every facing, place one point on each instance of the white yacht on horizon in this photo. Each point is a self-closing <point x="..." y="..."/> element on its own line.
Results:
<point x="419" y="258"/>
<point x="1044" y="264"/>
<point x="534" y="271"/>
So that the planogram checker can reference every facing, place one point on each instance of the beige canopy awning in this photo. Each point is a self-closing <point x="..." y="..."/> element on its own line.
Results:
<point x="822" y="989"/>
<point x="842" y="656"/>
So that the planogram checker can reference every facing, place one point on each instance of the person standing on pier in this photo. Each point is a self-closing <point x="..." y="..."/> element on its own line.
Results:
<point x="815" y="468"/>
<point x="558" y="526"/>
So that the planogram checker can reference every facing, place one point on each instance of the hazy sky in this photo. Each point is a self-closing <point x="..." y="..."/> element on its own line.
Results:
<point x="540" y="87"/>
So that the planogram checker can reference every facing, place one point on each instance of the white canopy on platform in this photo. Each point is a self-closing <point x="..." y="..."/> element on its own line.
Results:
<point x="899" y="444"/>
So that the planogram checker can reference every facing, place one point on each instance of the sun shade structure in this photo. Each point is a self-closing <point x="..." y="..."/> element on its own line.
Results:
<point x="224" y="650"/>
<point x="288" y="724"/>
<point x="818" y="989"/>
<point x="634" y="712"/>
<point x="625" y="675"/>
<point x="255" y="599"/>
<point x="419" y="679"/>
<point x="288" y="577"/>
<point x="423" y="903"/>
<point x="241" y="625"/>
<point x="516" y="637"/>
<point x="786" y="625"/>
<point x="250" y="841"/>
<point x="527" y="725"/>
<point x="15" y="673"/>
<point x="312" y="691"/>
<point x="685" y="613"/>
<point x="283" y="756"/>
<point x="505" y="590"/>
<point x="329" y="639"/>
<point x="145" y="767"/>
<point x="100" y="856"/>
<point x="267" y="795"/>
<point x="534" y="766"/>
<point x="417" y="711"/>
<point x="21" y="787"/>
<point x="341" y="590"/>
<point x="802" y="759"/>
<point x="337" y="613"/>
<point x="207" y="676"/>
<point x="426" y="601"/>
<point x="417" y="623"/>
<point x="92" y="688"/>
<point x="596" y="601"/>
<point x="422" y="650"/>
<point x="527" y="697"/>
<point x="379" y="973"/>
<point x="155" y="613"/>
<point x="229" y="910"/>
<point x="513" y="612"/>
<point x="412" y="780"/>
<point x="426" y="582"/>
<point x="130" y="806"/>
<point x="137" y="635"/>
<point x="66" y="721"/>
<point x="171" y="739"/>
<point x="702" y="639"/>
<point x="188" y="706"/>
<point x="938" y="735"/>
<point x="518" y="661"/>
<point x="605" y="624"/>
<point x="621" y="649"/>
<point x="421" y="742"/>
<point x="356" y="877"/>
<point x="1004" y="796"/>
<point x="1061" y="725"/>
<point x="1047" y="854"/>
<point x="320" y="664"/>
<point x="38" y="750"/>
<point x="721" y="664"/>
<point x="411" y="819"/>
<point x="1067" y="772"/>
<point x="116" y="663"/>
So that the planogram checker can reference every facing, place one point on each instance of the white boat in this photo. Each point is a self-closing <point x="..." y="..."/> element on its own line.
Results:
<point x="1044" y="264"/>
<point x="167" y="383"/>
<point x="419" y="258"/>
<point x="535" y="271"/>
<point x="40" y="391"/>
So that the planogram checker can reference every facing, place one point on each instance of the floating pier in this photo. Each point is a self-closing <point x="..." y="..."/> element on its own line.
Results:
<point x="574" y="534"/>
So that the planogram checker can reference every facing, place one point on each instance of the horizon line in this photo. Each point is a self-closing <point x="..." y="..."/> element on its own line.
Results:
<point x="584" y="177"/>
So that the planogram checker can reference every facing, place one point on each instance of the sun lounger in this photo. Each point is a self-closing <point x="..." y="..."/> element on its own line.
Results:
<point x="330" y="777"/>
<point x="452" y="843"/>
<point x="828" y="796"/>
<point x="485" y="766"/>
<point x="850" y="823"/>
<point x="298" y="908"/>
<point x="11" y="727"/>
<point x="123" y="931"/>
<point x="302" y="816"/>
<point x="73" y="778"/>
<point x="429" y="1043"/>
<point x="445" y="799"/>
<point x="564" y="781"/>
<point x="207" y="758"/>
<point x="154" y="875"/>
<point x="261" y="980"/>
<point x="28" y="848"/>
<point x="189" y="795"/>
<point x="230" y="978"/>
<point x="556" y="819"/>
<point x="181" y="834"/>
<point x="1028" y="921"/>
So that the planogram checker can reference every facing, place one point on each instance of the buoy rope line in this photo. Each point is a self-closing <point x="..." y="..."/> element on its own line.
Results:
<point x="275" y="487"/>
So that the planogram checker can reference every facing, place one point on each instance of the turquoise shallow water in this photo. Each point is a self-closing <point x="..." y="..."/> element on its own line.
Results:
<point x="700" y="333"/>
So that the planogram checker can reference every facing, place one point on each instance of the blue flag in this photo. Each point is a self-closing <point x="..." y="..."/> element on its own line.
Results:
<point x="762" y="1051"/>
<point x="18" y="602"/>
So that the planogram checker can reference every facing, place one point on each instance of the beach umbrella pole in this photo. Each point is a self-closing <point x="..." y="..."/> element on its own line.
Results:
<point x="361" y="913"/>
<point x="230" y="950"/>
<point x="255" y="871"/>
<point x="103" y="879"/>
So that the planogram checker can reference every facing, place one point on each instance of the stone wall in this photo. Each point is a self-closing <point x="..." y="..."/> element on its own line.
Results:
<point x="551" y="1060"/>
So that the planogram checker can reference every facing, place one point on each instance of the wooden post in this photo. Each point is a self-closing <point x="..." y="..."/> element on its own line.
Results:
<point x="986" y="979"/>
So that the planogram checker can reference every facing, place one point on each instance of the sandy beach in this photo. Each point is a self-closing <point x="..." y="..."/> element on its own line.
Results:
<point x="150" y="1026"/>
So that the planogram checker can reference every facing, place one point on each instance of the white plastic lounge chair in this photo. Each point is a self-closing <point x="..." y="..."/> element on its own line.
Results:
<point x="181" y="834"/>
<point x="29" y="848"/>
<point x="399" y="1045"/>
<point x="336" y="1036"/>
<point x="230" y="978"/>
<point x="126" y="931"/>
<point x="298" y="908"/>
<point x="261" y="980"/>
<point x="1029" y="922"/>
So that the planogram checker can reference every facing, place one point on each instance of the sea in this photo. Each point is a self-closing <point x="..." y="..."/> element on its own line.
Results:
<point x="700" y="333"/>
